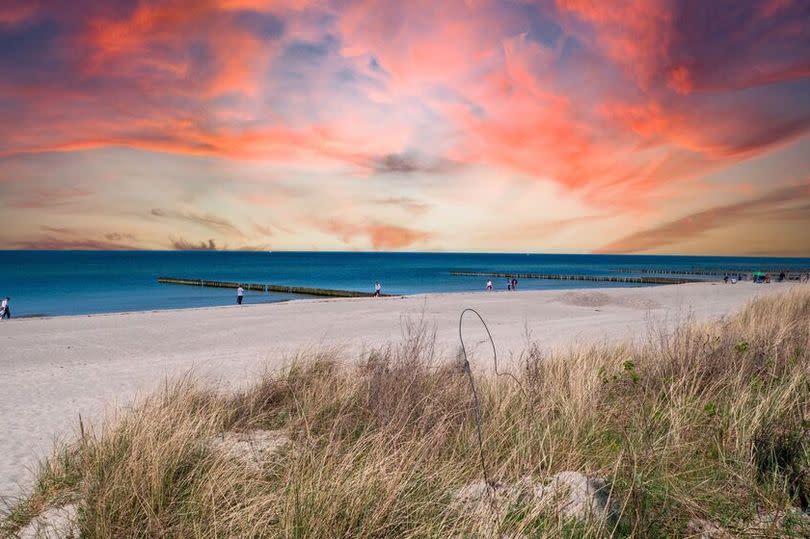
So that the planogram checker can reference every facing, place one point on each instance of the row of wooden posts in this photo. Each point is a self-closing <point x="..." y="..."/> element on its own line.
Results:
<point x="793" y="275"/>
<point x="328" y="292"/>
<point x="605" y="278"/>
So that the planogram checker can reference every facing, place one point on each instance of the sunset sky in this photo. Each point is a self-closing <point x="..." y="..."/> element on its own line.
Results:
<point x="655" y="126"/>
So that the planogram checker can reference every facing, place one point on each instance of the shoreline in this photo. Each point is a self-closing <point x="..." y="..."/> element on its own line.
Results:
<point x="206" y="308"/>
<point x="316" y="299"/>
<point x="58" y="367"/>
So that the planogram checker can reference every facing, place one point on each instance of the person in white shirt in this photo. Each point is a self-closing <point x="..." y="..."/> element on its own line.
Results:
<point x="489" y="285"/>
<point x="377" y="288"/>
<point x="5" y="310"/>
<point x="240" y="293"/>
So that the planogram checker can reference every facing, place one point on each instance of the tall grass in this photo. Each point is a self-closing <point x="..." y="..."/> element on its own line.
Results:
<point x="710" y="421"/>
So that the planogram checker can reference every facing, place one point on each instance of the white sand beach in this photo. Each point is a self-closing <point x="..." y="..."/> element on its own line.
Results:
<point x="54" y="369"/>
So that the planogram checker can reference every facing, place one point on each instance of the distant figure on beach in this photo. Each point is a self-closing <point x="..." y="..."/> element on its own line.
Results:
<point x="508" y="284"/>
<point x="489" y="285"/>
<point x="725" y="278"/>
<point x="377" y="289"/>
<point x="240" y="293"/>
<point x="514" y="283"/>
<point x="781" y="276"/>
<point x="5" y="310"/>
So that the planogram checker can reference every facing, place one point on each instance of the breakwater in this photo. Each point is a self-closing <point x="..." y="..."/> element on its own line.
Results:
<point x="326" y="292"/>
<point x="558" y="277"/>
<point x="791" y="275"/>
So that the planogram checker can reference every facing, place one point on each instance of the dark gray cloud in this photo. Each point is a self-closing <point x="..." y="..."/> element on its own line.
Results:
<point x="411" y="163"/>
<point x="180" y="244"/>
<point x="309" y="52"/>
<point x="117" y="236"/>
<point x="262" y="25"/>
<point x="375" y="66"/>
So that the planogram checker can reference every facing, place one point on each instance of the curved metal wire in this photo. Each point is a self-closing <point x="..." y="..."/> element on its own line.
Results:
<point x="468" y="370"/>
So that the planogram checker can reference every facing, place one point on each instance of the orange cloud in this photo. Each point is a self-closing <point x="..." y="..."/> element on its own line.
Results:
<point x="394" y="237"/>
<point x="379" y="235"/>
<point x="264" y="144"/>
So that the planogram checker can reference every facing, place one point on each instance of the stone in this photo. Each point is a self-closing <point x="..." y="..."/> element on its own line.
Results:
<point x="578" y="496"/>
<point x="574" y="494"/>
<point x="252" y="448"/>
<point x="53" y="523"/>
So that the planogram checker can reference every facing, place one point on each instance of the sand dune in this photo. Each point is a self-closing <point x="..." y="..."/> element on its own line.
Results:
<point x="52" y="370"/>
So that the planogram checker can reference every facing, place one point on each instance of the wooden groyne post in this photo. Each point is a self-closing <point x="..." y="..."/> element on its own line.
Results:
<point x="327" y="292"/>
<point x="558" y="277"/>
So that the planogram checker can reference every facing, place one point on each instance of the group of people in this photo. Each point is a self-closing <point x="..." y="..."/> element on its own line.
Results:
<point x="5" y="310"/>
<point x="802" y="277"/>
<point x="511" y="284"/>
<point x="762" y="277"/>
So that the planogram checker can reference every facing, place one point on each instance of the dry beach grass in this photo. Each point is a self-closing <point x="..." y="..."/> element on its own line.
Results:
<point x="706" y="426"/>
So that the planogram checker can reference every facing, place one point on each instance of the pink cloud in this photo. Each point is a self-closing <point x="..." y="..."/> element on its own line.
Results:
<point x="618" y="105"/>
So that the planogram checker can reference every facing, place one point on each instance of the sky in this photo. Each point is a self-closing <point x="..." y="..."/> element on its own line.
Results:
<point x="577" y="126"/>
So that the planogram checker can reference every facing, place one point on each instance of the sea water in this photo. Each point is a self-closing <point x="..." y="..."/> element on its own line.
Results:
<point x="55" y="283"/>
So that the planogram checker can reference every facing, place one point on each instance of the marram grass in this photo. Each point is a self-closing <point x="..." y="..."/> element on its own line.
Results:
<point x="711" y="422"/>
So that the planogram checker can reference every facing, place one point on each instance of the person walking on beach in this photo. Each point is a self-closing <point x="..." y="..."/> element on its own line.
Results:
<point x="489" y="285"/>
<point x="377" y="289"/>
<point x="514" y="283"/>
<point x="5" y="310"/>
<point x="240" y="294"/>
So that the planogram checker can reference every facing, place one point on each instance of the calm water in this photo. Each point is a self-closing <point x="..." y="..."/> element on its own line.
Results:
<point x="85" y="282"/>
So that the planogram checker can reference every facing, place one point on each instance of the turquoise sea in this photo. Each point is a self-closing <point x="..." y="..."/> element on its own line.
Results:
<point x="57" y="283"/>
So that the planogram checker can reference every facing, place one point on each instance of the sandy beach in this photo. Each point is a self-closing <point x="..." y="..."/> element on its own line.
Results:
<point x="54" y="369"/>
